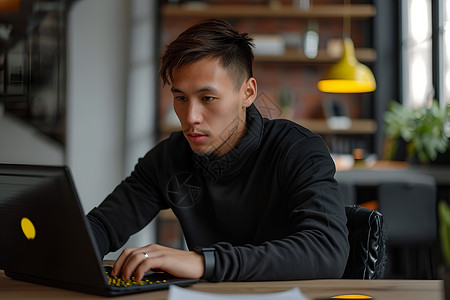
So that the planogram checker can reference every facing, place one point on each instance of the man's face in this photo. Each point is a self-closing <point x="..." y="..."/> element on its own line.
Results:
<point x="211" y="111"/>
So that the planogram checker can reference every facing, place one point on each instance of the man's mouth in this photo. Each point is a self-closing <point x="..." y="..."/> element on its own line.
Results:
<point x="196" y="137"/>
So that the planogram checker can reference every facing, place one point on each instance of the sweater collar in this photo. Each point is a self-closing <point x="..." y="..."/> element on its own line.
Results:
<point x="213" y="167"/>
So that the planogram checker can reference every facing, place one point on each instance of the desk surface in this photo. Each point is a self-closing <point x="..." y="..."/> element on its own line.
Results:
<point x="380" y="289"/>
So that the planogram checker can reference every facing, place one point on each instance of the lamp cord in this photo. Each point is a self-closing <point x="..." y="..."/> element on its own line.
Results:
<point x="346" y="20"/>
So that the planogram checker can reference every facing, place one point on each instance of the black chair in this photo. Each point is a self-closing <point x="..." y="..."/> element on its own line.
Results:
<point x="348" y="193"/>
<point x="367" y="258"/>
<point x="409" y="210"/>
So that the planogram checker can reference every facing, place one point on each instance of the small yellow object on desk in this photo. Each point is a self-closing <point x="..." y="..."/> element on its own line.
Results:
<point x="351" y="296"/>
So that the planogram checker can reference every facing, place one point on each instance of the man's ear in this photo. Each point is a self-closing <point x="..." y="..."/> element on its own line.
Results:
<point x="250" y="91"/>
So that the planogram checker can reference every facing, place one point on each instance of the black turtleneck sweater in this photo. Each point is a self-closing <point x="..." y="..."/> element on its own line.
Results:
<point x="270" y="207"/>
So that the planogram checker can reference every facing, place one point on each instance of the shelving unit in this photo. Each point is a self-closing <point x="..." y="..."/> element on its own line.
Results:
<point x="320" y="126"/>
<point x="358" y="126"/>
<point x="265" y="11"/>
<point x="291" y="58"/>
<point x="32" y="65"/>
<point x="356" y="11"/>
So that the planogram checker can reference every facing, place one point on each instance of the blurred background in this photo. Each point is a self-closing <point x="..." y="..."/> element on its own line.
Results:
<point x="79" y="84"/>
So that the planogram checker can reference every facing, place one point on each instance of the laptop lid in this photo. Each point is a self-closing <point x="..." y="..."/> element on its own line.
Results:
<point x="44" y="234"/>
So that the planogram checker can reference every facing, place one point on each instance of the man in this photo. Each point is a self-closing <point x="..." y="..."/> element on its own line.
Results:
<point x="256" y="198"/>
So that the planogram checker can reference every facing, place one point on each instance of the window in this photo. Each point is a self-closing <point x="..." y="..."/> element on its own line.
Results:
<point x="417" y="53"/>
<point x="445" y="35"/>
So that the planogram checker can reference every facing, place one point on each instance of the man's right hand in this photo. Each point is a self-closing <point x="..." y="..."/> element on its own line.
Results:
<point x="179" y="263"/>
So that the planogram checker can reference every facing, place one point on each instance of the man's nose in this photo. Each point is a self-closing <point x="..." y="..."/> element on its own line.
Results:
<point x="194" y="112"/>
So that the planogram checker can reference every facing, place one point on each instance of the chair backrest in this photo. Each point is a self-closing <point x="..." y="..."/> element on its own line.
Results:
<point x="367" y="258"/>
<point x="409" y="210"/>
<point x="348" y="192"/>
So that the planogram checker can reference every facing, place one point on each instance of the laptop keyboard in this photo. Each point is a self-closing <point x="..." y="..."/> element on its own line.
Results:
<point x="154" y="279"/>
<point x="119" y="282"/>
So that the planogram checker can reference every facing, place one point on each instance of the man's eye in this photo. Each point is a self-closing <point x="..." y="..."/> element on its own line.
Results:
<point x="180" y="98"/>
<point x="208" y="98"/>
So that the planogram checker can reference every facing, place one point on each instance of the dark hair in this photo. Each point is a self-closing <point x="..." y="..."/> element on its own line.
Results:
<point x="214" y="38"/>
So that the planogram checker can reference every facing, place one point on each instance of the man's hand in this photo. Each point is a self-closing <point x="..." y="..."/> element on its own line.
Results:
<point x="179" y="263"/>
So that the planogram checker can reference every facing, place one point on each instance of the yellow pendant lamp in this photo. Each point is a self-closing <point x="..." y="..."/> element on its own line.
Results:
<point x="348" y="75"/>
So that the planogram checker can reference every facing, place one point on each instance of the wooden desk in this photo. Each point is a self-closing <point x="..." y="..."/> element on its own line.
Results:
<point x="380" y="289"/>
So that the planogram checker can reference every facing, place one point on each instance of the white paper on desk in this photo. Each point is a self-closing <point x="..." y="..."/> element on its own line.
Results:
<point x="179" y="293"/>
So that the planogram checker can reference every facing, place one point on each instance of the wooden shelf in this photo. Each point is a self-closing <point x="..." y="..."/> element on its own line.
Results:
<point x="294" y="56"/>
<point x="265" y="11"/>
<point x="358" y="126"/>
<point x="319" y="126"/>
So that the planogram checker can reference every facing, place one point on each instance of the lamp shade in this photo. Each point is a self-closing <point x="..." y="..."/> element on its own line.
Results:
<point x="348" y="75"/>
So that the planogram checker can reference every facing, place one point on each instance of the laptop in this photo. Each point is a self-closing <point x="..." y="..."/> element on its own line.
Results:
<point x="45" y="237"/>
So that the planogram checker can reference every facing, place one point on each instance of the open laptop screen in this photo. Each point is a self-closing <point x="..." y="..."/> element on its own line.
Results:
<point x="43" y="229"/>
<point x="45" y="236"/>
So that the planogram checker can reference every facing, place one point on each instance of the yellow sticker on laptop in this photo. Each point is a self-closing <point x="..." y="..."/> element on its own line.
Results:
<point x="28" y="228"/>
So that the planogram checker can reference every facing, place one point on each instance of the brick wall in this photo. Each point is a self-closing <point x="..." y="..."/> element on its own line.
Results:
<point x="295" y="79"/>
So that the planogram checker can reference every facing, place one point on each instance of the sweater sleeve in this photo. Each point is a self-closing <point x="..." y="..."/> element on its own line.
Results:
<point x="129" y="208"/>
<point x="317" y="246"/>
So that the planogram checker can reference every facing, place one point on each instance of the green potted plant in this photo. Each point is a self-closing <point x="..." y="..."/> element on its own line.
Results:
<point x="421" y="128"/>
<point x="444" y="234"/>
